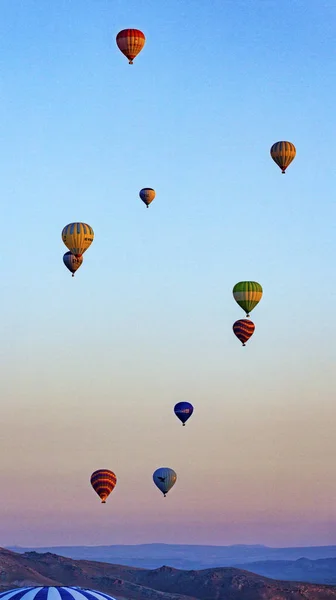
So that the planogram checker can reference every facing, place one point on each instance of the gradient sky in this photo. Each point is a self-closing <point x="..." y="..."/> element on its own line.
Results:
<point x="92" y="367"/>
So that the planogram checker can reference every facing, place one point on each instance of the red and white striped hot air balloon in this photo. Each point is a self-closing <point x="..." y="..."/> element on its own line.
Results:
<point x="130" y="42"/>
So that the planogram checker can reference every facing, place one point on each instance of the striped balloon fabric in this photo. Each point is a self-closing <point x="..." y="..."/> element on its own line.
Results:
<point x="130" y="42"/>
<point x="283" y="153"/>
<point x="53" y="593"/>
<point x="243" y="329"/>
<point x="77" y="237"/>
<point x="247" y="294"/>
<point x="103" y="482"/>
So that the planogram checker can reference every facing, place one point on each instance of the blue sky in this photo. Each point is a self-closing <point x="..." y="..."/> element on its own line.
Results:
<point x="93" y="366"/>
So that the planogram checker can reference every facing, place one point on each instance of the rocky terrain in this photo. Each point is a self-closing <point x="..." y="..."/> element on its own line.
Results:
<point x="164" y="583"/>
<point x="313" y="571"/>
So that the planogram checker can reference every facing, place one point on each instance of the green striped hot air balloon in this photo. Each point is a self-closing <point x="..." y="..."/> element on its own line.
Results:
<point x="247" y="294"/>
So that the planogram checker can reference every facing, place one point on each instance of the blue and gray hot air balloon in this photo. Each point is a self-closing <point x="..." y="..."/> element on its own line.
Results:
<point x="183" y="411"/>
<point x="53" y="593"/>
<point x="72" y="262"/>
<point x="164" y="478"/>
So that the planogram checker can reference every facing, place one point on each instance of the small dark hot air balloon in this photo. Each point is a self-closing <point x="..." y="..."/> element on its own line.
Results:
<point x="147" y="195"/>
<point x="283" y="153"/>
<point x="72" y="262"/>
<point x="183" y="411"/>
<point x="103" y="482"/>
<point x="164" y="478"/>
<point x="130" y="42"/>
<point x="243" y="330"/>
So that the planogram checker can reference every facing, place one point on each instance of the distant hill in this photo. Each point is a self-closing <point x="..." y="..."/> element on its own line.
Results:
<point x="152" y="556"/>
<point x="314" y="571"/>
<point x="16" y="572"/>
<point x="165" y="583"/>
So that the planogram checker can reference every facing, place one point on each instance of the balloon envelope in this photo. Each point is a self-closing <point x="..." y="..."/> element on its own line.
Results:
<point x="183" y="411"/>
<point x="283" y="153"/>
<point x="48" y="592"/>
<point x="147" y="195"/>
<point x="247" y="294"/>
<point x="72" y="262"/>
<point x="243" y="329"/>
<point x="164" y="478"/>
<point x="130" y="42"/>
<point x="103" y="482"/>
<point x="77" y="237"/>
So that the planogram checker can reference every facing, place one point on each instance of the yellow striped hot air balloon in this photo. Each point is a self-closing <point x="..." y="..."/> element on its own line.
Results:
<point x="283" y="153"/>
<point x="247" y="294"/>
<point x="77" y="237"/>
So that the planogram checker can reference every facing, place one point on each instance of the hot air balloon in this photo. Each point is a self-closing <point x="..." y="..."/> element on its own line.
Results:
<point x="164" y="478"/>
<point x="130" y="42"/>
<point x="103" y="482"/>
<point x="50" y="592"/>
<point x="283" y="153"/>
<point x="77" y="237"/>
<point x="72" y="262"/>
<point x="247" y="294"/>
<point x="243" y="330"/>
<point x="147" y="195"/>
<point x="183" y="411"/>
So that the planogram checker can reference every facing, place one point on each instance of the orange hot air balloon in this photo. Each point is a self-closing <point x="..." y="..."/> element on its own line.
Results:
<point x="130" y="42"/>
<point x="147" y="195"/>
<point x="103" y="482"/>
<point x="283" y="153"/>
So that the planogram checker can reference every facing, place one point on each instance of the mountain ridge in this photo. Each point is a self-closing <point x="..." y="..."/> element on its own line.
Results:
<point x="185" y="556"/>
<point x="164" y="583"/>
<point x="322" y="570"/>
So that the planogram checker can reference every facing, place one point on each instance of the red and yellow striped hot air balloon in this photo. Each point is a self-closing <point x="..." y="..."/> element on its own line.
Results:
<point x="283" y="153"/>
<point x="243" y="329"/>
<point x="130" y="42"/>
<point x="103" y="482"/>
